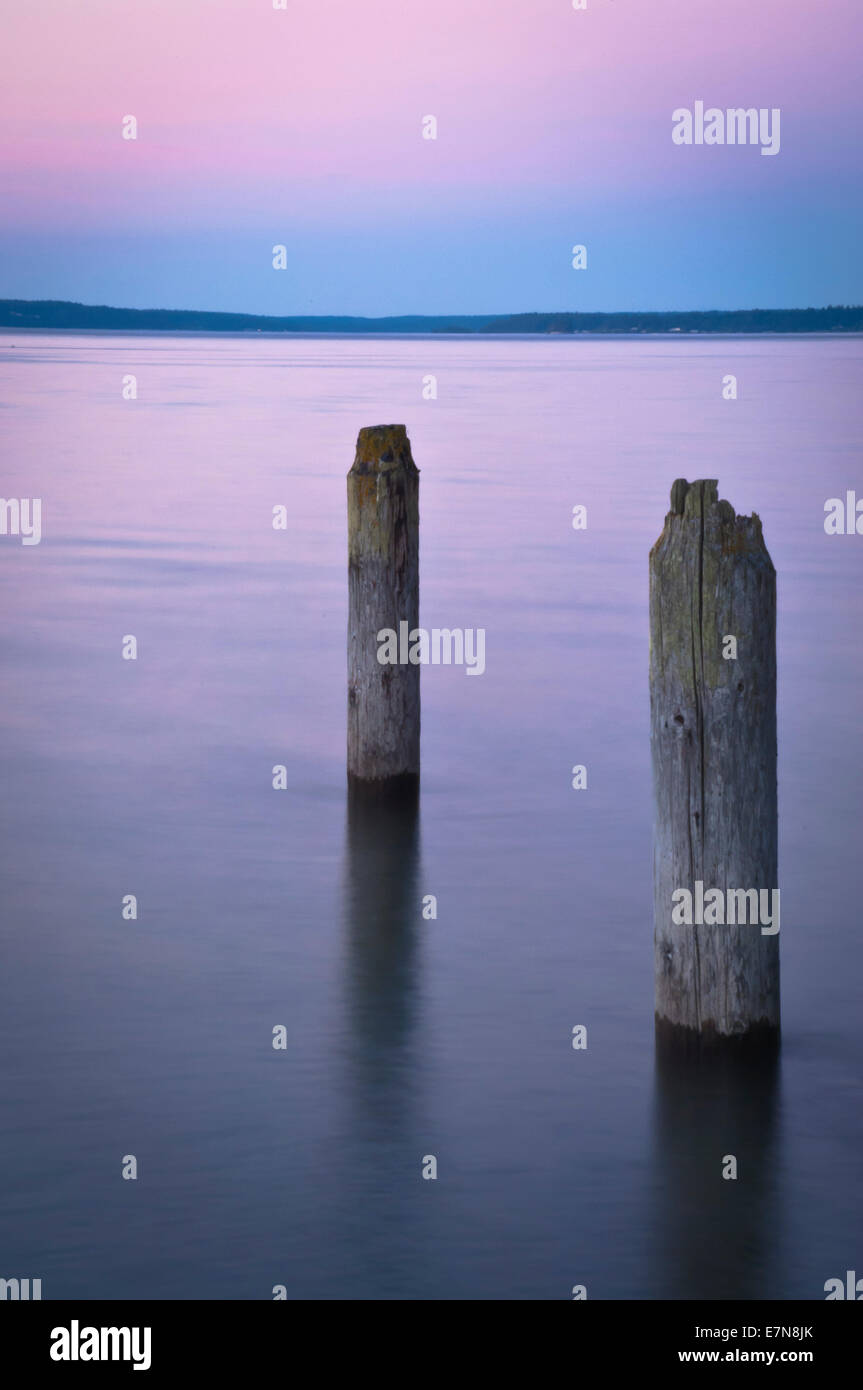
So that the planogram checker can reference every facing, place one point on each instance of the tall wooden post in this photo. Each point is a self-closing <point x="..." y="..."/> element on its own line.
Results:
<point x="383" y="594"/>
<point x="713" y="744"/>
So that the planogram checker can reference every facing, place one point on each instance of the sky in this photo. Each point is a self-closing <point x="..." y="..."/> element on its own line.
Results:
<point x="303" y="127"/>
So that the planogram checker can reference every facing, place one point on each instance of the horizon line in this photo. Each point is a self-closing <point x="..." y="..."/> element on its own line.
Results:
<point x="445" y="313"/>
<point x="23" y="314"/>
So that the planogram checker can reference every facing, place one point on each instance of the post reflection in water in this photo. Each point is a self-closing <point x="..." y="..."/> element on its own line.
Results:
<point x="383" y="913"/>
<point x="716" y="1237"/>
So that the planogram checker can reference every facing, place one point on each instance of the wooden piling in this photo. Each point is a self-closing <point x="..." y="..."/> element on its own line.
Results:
<point x="713" y="745"/>
<point x="383" y="592"/>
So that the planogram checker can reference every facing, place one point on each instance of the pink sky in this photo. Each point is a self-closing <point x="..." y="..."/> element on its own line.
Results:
<point x="249" y="116"/>
<point x="237" y="100"/>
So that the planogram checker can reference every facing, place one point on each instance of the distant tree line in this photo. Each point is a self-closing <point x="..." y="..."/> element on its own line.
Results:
<point x="58" y="313"/>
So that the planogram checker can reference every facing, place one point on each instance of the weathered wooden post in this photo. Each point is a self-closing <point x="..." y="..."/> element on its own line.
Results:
<point x="713" y="744"/>
<point x="383" y="590"/>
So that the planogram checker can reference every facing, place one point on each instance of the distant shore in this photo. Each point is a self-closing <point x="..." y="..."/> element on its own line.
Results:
<point x="49" y="315"/>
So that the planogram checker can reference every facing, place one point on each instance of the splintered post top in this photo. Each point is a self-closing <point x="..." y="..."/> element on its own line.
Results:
<point x="699" y="502"/>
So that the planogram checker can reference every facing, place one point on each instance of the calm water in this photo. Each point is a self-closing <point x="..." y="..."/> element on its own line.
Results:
<point x="257" y="908"/>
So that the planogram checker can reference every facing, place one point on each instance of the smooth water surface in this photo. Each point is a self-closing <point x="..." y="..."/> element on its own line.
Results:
<point x="406" y="1037"/>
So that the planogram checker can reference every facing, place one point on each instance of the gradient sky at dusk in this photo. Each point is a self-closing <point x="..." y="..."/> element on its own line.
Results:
<point x="303" y="127"/>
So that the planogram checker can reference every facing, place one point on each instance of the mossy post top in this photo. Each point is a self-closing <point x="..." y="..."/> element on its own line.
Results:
<point x="383" y="449"/>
